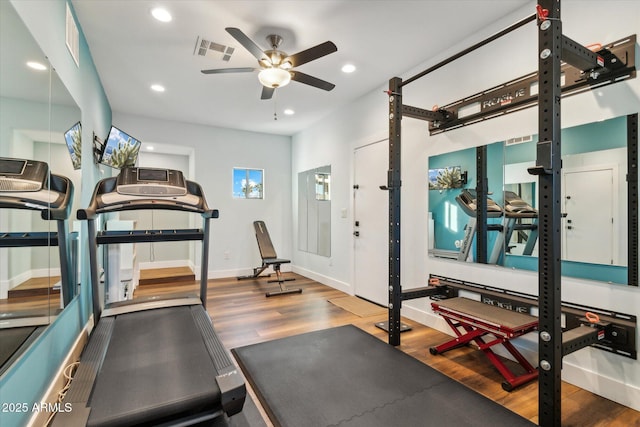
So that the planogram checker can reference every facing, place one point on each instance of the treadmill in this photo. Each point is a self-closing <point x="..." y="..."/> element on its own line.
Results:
<point x="28" y="184"/>
<point x="159" y="361"/>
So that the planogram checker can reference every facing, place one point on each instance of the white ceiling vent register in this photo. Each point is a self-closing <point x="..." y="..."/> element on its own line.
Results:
<point x="519" y="140"/>
<point x="216" y="50"/>
<point x="72" y="37"/>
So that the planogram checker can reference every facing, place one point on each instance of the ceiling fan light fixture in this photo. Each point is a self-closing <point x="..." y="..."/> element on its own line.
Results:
<point x="274" y="77"/>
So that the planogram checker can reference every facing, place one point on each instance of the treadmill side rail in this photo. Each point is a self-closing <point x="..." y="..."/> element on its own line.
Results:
<point x="229" y="379"/>
<point x="233" y="391"/>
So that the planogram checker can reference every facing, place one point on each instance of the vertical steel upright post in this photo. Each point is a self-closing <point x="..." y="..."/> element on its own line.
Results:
<point x="632" y="199"/>
<point x="393" y="184"/>
<point x="549" y="169"/>
<point x="482" y="190"/>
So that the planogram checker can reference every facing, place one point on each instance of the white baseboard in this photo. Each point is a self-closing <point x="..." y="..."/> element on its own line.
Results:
<point x="325" y="280"/>
<point x="617" y="391"/>
<point x="165" y="264"/>
<point x="223" y="274"/>
<point x="45" y="272"/>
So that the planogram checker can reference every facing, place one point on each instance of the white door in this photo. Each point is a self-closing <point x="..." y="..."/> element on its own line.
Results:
<point x="588" y="226"/>
<point x="371" y="250"/>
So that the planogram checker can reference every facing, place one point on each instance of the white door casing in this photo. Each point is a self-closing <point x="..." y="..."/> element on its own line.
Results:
<point x="371" y="263"/>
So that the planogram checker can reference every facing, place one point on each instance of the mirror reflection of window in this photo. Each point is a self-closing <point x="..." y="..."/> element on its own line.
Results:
<point x="322" y="186"/>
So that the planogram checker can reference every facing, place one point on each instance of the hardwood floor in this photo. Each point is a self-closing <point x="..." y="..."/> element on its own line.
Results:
<point x="242" y="315"/>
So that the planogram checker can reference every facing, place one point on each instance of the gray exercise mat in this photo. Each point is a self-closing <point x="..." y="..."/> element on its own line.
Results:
<point x="345" y="377"/>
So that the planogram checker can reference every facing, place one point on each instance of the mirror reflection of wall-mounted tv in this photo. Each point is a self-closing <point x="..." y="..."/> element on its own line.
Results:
<point x="446" y="178"/>
<point x="120" y="149"/>
<point x="73" y="138"/>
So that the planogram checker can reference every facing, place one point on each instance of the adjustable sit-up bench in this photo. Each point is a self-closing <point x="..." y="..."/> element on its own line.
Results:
<point x="269" y="259"/>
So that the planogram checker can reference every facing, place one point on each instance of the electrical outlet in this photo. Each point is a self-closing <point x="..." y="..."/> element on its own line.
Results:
<point x="227" y="254"/>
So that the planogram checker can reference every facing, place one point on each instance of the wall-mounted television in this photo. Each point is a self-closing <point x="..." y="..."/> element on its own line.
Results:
<point x="120" y="149"/>
<point x="73" y="138"/>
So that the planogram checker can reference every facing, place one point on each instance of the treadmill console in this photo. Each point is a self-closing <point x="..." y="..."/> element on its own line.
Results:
<point x="151" y="182"/>
<point x="20" y="175"/>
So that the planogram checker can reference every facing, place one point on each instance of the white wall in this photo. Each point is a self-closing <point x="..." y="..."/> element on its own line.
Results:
<point x="167" y="254"/>
<point x="333" y="140"/>
<point x="234" y="250"/>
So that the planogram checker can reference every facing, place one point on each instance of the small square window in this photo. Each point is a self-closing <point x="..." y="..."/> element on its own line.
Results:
<point x="248" y="183"/>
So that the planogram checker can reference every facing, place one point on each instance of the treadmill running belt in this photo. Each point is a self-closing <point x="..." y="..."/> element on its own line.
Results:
<point x="344" y="376"/>
<point x="156" y="364"/>
<point x="11" y="339"/>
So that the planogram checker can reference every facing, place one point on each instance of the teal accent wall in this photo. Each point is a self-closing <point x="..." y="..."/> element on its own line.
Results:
<point x="28" y="380"/>
<point x="604" y="135"/>
<point x="449" y="219"/>
<point x="599" y="272"/>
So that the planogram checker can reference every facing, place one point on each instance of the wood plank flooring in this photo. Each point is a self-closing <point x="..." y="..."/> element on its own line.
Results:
<point x="242" y="315"/>
<point x="154" y="276"/>
<point x="36" y="286"/>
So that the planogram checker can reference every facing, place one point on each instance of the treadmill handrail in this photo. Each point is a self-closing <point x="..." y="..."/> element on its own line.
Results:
<point x="61" y="211"/>
<point x="108" y="185"/>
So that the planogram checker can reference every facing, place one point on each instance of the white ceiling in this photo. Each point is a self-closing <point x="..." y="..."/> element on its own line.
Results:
<point x="382" y="38"/>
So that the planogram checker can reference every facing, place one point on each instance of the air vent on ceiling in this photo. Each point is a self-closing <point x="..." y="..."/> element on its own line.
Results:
<point x="72" y="37"/>
<point x="208" y="48"/>
<point x="519" y="140"/>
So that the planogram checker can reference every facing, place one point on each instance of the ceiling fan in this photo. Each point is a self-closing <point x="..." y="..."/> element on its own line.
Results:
<point x="277" y="67"/>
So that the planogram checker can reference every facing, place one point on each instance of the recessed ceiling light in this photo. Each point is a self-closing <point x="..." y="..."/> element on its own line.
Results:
<point x="157" y="88"/>
<point x="36" y="65"/>
<point x="161" y="14"/>
<point x="149" y="147"/>
<point x="289" y="112"/>
<point x="348" y="68"/>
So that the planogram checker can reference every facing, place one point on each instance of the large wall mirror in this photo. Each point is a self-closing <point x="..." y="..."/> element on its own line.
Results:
<point x="35" y="112"/>
<point x="595" y="224"/>
<point x="314" y="211"/>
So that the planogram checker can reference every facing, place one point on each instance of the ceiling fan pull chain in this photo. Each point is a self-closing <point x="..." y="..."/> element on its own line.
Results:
<point x="275" y="105"/>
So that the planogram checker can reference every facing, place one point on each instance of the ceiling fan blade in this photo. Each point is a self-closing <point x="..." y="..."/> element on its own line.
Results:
<point x="248" y="44"/>
<point x="312" y="53"/>
<point x="267" y="92"/>
<point x="310" y="80"/>
<point x="228" y="70"/>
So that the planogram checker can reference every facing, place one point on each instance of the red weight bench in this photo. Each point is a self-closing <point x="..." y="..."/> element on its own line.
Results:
<point x="472" y="320"/>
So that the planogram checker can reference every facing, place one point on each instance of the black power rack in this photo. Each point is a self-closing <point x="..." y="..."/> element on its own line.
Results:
<point x="610" y="65"/>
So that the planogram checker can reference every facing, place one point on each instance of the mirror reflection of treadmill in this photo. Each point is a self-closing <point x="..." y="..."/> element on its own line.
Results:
<point x="167" y="345"/>
<point x="28" y="184"/>
<point x="467" y="200"/>
<point x="520" y="216"/>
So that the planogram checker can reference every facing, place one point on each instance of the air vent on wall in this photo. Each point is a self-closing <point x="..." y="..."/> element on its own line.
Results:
<point x="209" y="48"/>
<point x="519" y="140"/>
<point x="72" y="37"/>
